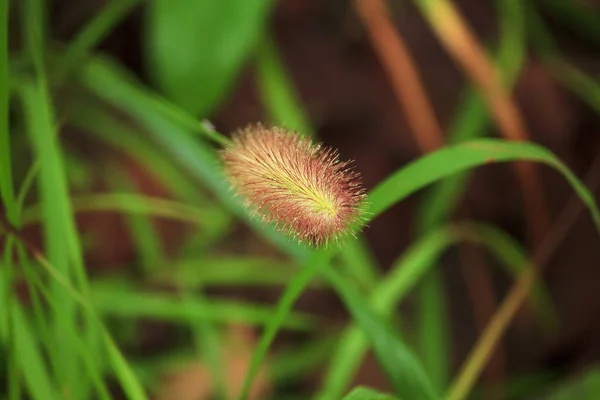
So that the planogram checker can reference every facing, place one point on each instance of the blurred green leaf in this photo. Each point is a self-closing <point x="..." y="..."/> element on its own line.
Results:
<point x="402" y="367"/>
<point x="61" y="240"/>
<point x="579" y="17"/>
<point x="36" y="376"/>
<point x="125" y="301"/>
<point x="362" y="393"/>
<point x="284" y="306"/>
<point x="195" y="48"/>
<point x="172" y="129"/>
<point x="6" y="184"/>
<point x="584" y="387"/>
<point x="585" y="86"/>
<point x="406" y="273"/>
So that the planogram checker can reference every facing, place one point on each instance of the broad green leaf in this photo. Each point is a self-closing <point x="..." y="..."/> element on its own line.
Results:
<point x="195" y="48"/>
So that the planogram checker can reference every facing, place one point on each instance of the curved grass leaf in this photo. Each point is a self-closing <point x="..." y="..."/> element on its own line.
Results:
<point x="454" y="159"/>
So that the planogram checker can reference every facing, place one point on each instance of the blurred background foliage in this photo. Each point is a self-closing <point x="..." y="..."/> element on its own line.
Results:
<point x="129" y="270"/>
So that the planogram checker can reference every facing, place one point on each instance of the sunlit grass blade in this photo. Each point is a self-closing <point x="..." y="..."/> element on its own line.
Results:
<point x="406" y="273"/>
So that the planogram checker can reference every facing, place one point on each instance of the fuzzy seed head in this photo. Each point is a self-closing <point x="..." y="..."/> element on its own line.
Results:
<point x="299" y="186"/>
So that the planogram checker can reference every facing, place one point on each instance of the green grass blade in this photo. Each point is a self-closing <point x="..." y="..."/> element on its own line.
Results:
<point x="289" y="365"/>
<point x="142" y="229"/>
<point x="287" y="300"/>
<point x="123" y="372"/>
<point x="361" y="393"/>
<point x="584" y="86"/>
<point x="132" y="204"/>
<point x="35" y="373"/>
<point x="402" y="367"/>
<point x="175" y="136"/>
<point x="406" y="273"/>
<point x="471" y="119"/>
<point x="277" y="92"/>
<point x="581" y="18"/>
<point x="207" y="343"/>
<point x="92" y="34"/>
<point x="230" y="271"/>
<point x="125" y="302"/>
<point x="54" y="200"/>
<point x="129" y="95"/>
<point x="458" y="158"/>
<point x="6" y="184"/>
<point x="585" y="386"/>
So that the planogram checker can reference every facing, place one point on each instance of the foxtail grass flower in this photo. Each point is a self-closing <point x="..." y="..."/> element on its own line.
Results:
<point x="300" y="186"/>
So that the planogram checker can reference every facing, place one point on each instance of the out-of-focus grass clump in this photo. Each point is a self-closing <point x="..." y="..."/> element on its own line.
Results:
<point x="68" y="331"/>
